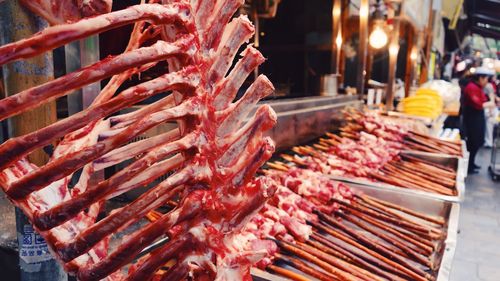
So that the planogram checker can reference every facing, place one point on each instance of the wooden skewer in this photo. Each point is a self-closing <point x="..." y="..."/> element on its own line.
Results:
<point x="415" y="184"/>
<point x="432" y="145"/>
<point x="431" y="169"/>
<point x="338" y="263"/>
<point x="434" y="232"/>
<point x="330" y="247"/>
<point x="418" y="228"/>
<point x="443" y="145"/>
<point x="429" y="175"/>
<point x="277" y="166"/>
<point x="449" y="183"/>
<point x="426" y="246"/>
<point x="435" y="165"/>
<point x="412" y="272"/>
<point x="436" y="220"/>
<point x="455" y="144"/>
<point x="287" y="273"/>
<point x="409" y="251"/>
<point x="400" y="182"/>
<point x="300" y="265"/>
<point x="321" y="147"/>
<point x="414" y="178"/>
<point x="419" y="147"/>
<point x="305" y="255"/>
<point x="370" y="243"/>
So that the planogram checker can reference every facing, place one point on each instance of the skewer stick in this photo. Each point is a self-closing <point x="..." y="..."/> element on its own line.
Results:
<point x="277" y="166"/>
<point x="426" y="245"/>
<point x="436" y="220"/>
<point x="368" y="242"/>
<point x="430" y="144"/>
<point x="302" y="266"/>
<point x="449" y="183"/>
<point x="434" y="233"/>
<point x="321" y="147"/>
<point x="412" y="272"/>
<point x="342" y="265"/>
<point x="416" y="180"/>
<point x="341" y="275"/>
<point x="362" y="262"/>
<point x="421" y="229"/>
<point x="415" y="184"/>
<point x="409" y="251"/>
<point x="435" y="165"/>
<point x="287" y="273"/>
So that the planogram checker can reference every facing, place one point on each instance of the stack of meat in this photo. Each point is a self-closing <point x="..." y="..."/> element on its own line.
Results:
<point x="212" y="156"/>
<point x="397" y="132"/>
<point x="375" y="159"/>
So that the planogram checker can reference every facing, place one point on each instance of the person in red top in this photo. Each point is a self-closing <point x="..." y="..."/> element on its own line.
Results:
<point x="474" y="103"/>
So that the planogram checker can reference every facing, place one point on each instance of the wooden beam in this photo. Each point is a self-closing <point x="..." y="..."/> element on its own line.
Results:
<point x="363" y="45"/>
<point x="428" y="44"/>
<point x="410" y="42"/>
<point x="19" y="76"/>
<point x="336" y="31"/>
<point x="17" y="23"/>
<point x="393" y="58"/>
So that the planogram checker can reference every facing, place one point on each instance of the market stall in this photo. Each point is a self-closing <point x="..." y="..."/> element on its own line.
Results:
<point x="228" y="140"/>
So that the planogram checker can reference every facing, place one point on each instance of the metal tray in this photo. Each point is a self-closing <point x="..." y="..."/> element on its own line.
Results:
<point x="450" y="161"/>
<point x="430" y="206"/>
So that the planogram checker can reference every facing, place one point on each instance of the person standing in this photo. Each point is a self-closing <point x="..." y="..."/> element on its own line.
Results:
<point x="475" y="102"/>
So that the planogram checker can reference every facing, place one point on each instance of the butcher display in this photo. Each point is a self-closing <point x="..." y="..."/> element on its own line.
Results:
<point x="212" y="155"/>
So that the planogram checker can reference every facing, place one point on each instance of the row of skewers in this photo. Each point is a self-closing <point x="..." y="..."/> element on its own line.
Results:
<point x="365" y="238"/>
<point x="396" y="168"/>
<point x="396" y="131"/>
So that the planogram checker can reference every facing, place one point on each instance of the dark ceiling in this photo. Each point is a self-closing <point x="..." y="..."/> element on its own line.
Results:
<point x="484" y="17"/>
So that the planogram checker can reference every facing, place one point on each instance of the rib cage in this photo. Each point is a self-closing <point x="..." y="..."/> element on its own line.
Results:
<point x="214" y="153"/>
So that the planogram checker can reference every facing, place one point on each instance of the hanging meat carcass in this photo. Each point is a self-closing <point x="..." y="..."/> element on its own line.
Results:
<point x="213" y="154"/>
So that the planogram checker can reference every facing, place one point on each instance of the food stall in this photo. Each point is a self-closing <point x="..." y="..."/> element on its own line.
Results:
<point x="166" y="153"/>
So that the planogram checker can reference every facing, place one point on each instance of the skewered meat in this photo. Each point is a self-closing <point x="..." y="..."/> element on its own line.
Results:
<point x="213" y="154"/>
<point x="374" y="159"/>
<point x="398" y="133"/>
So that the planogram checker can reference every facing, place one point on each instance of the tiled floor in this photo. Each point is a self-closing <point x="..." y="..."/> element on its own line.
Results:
<point x="477" y="257"/>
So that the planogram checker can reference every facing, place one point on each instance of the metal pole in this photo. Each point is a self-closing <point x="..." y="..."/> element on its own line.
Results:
<point x="363" y="45"/>
<point x="16" y="23"/>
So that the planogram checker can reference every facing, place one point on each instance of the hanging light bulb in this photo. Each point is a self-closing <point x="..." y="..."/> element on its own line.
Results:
<point x="414" y="54"/>
<point x="338" y="40"/>
<point x="378" y="37"/>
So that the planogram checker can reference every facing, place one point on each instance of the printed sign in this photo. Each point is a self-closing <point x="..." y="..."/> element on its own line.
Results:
<point x="32" y="246"/>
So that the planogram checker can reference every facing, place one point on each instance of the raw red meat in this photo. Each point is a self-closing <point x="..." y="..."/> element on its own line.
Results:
<point x="213" y="155"/>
